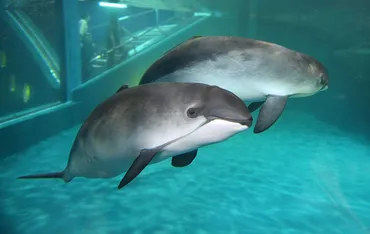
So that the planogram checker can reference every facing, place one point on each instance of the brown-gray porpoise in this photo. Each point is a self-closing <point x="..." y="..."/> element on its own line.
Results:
<point x="261" y="73"/>
<point x="149" y="123"/>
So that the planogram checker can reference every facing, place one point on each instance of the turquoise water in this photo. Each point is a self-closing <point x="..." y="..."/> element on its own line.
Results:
<point x="308" y="174"/>
<point x="301" y="176"/>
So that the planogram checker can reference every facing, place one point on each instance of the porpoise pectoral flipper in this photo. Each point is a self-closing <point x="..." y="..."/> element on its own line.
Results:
<point x="185" y="159"/>
<point x="146" y="155"/>
<point x="254" y="106"/>
<point x="270" y="112"/>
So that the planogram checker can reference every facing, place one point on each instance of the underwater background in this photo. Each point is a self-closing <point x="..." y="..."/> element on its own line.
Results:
<point x="309" y="173"/>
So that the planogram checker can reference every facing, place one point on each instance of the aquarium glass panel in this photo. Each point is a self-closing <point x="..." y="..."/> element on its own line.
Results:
<point x="30" y="54"/>
<point x="111" y="33"/>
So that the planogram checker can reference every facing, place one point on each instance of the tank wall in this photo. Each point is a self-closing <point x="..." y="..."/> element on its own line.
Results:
<point x="18" y="136"/>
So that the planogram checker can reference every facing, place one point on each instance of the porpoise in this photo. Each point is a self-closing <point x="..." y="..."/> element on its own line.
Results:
<point x="260" y="73"/>
<point x="149" y="123"/>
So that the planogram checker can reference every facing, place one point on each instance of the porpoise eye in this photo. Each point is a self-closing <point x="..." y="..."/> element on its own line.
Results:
<point x="192" y="112"/>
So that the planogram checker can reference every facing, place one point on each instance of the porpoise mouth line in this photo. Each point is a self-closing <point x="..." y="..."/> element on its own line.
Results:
<point x="324" y="88"/>
<point x="179" y="138"/>
<point x="246" y="122"/>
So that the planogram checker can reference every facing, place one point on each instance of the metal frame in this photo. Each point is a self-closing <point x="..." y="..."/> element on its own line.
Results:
<point x="71" y="46"/>
<point x="132" y="36"/>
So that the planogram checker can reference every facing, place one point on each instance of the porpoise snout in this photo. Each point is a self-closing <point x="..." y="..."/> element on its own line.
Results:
<point x="248" y="122"/>
<point x="227" y="106"/>
<point x="231" y="116"/>
<point x="235" y="113"/>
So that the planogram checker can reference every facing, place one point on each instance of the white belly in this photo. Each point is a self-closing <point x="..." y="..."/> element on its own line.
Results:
<point x="250" y="81"/>
<point x="213" y="132"/>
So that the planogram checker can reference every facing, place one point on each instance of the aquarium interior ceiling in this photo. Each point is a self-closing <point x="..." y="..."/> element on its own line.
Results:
<point x="268" y="6"/>
<point x="347" y="26"/>
<point x="176" y="5"/>
<point x="195" y="5"/>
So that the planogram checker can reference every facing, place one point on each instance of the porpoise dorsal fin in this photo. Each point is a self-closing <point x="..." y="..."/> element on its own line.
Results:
<point x="183" y="42"/>
<point x="194" y="37"/>
<point x="185" y="159"/>
<point x="123" y="87"/>
<point x="156" y="70"/>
